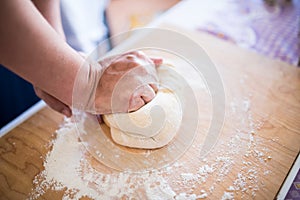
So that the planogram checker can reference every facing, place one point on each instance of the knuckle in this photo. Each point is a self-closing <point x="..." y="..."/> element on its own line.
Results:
<point x="130" y="57"/>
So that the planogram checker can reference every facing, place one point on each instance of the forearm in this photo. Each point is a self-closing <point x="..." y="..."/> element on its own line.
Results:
<point x="31" y="48"/>
<point x="50" y="9"/>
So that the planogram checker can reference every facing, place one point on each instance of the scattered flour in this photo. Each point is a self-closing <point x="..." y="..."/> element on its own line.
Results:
<point x="202" y="196"/>
<point x="186" y="177"/>
<point x="228" y="196"/>
<point x="67" y="169"/>
<point x="231" y="188"/>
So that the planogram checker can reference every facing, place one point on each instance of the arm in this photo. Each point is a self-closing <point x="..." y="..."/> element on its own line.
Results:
<point x="31" y="48"/>
<point x="50" y="9"/>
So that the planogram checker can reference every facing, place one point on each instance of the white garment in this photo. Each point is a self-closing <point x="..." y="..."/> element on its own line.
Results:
<point x="83" y="23"/>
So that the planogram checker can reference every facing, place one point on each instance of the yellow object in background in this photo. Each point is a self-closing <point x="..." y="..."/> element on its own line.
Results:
<point x="140" y="20"/>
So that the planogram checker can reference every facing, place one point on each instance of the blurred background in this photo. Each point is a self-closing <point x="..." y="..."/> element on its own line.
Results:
<point x="269" y="27"/>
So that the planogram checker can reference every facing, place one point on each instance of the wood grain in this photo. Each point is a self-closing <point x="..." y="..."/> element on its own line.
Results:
<point x="273" y="88"/>
<point x="22" y="152"/>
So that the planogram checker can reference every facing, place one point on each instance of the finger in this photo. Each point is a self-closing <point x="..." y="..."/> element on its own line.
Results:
<point x="147" y="93"/>
<point x="141" y="96"/>
<point x="157" y="61"/>
<point x="154" y="86"/>
<point x="142" y="55"/>
<point x="139" y="54"/>
<point x="54" y="103"/>
<point x="135" y="103"/>
<point x="57" y="105"/>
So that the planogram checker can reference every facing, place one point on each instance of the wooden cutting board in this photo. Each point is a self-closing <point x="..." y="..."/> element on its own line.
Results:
<point x="261" y="121"/>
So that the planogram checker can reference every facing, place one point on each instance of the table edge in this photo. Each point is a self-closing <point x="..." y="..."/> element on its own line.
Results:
<point x="22" y="117"/>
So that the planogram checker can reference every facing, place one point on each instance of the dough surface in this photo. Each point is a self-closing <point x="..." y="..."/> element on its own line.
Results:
<point x="146" y="130"/>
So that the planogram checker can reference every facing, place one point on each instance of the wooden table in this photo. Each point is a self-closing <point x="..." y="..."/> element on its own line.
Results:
<point x="122" y="17"/>
<point x="266" y="151"/>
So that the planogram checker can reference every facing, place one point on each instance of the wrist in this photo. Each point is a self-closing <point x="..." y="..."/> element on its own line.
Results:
<point x="86" y="85"/>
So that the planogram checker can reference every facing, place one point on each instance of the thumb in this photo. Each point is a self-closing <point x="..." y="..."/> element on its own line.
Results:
<point x="53" y="102"/>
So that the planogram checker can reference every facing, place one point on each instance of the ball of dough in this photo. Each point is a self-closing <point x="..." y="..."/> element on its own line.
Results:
<point x="145" y="128"/>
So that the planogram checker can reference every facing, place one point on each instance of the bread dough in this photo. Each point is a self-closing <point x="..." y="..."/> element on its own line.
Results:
<point x="146" y="130"/>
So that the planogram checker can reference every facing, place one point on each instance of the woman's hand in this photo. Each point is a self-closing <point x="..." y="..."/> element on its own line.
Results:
<point x="131" y="79"/>
<point x="120" y="84"/>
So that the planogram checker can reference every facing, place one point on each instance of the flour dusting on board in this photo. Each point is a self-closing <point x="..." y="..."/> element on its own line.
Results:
<point x="66" y="168"/>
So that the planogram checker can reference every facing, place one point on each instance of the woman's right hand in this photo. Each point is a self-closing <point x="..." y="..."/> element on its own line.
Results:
<point x="121" y="84"/>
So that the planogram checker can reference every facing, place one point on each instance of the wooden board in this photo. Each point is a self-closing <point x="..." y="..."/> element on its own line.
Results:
<point x="271" y="87"/>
